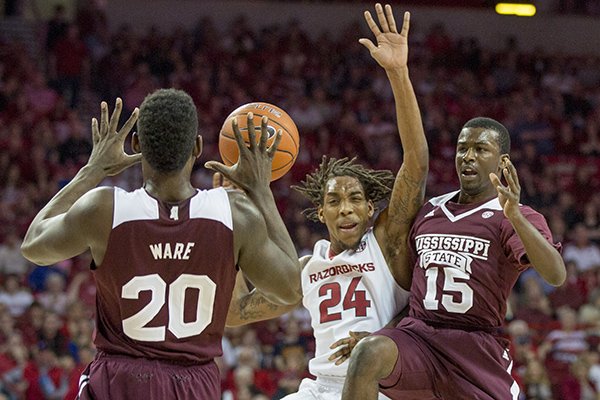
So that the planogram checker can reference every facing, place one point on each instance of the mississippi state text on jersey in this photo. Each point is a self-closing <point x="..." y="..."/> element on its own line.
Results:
<point x="467" y="257"/>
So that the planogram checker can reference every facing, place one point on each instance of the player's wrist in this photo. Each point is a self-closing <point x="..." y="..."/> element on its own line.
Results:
<point x="92" y="171"/>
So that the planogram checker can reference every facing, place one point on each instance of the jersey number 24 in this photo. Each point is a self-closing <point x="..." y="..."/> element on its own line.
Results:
<point x="353" y="298"/>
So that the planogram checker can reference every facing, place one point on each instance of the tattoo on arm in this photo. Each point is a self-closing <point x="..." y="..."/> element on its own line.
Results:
<point x="255" y="306"/>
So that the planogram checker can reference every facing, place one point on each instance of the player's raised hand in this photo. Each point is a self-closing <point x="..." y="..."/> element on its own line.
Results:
<point x="254" y="164"/>
<point x="220" y="181"/>
<point x="391" y="50"/>
<point x="346" y="345"/>
<point x="508" y="195"/>
<point x="108" y="152"/>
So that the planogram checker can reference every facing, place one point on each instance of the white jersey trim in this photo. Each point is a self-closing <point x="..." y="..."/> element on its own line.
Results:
<point x="212" y="204"/>
<point x="138" y="205"/>
<point x="133" y="206"/>
<point x="440" y="201"/>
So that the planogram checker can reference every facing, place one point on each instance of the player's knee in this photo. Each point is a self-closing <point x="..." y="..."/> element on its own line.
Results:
<point x="373" y="356"/>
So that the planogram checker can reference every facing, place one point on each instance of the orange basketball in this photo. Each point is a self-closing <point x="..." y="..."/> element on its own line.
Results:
<point x="286" y="153"/>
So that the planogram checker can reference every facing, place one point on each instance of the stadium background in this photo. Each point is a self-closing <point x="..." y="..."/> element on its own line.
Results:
<point x="540" y="76"/>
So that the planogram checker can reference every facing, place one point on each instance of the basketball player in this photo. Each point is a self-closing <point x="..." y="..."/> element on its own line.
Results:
<point x="356" y="281"/>
<point x="164" y="255"/>
<point x="468" y="249"/>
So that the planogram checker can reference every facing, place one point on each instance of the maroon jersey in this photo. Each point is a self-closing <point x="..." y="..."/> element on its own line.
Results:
<point x="467" y="258"/>
<point x="164" y="286"/>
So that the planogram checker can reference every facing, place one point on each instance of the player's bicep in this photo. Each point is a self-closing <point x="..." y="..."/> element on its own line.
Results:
<point x="62" y="236"/>
<point x="406" y="199"/>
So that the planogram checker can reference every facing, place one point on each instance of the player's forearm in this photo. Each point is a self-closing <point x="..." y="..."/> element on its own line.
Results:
<point x="254" y="307"/>
<point x="546" y="260"/>
<point x="265" y="202"/>
<point x="86" y="179"/>
<point x="409" y="189"/>
<point x="410" y="125"/>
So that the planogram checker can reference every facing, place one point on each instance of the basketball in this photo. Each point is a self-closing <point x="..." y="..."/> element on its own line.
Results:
<point x="286" y="153"/>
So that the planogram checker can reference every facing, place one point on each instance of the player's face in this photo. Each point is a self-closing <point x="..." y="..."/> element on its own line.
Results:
<point x="477" y="155"/>
<point x="346" y="212"/>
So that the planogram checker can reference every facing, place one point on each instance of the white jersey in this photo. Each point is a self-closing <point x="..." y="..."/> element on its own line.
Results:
<point x="353" y="291"/>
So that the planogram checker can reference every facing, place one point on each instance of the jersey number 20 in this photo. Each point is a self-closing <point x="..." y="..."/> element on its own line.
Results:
<point x="134" y="326"/>
<point x="353" y="298"/>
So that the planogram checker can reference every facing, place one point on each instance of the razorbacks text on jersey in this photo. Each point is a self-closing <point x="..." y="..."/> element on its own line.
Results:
<point x="353" y="291"/>
<point x="164" y="286"/>
<point x="467" y="258"/>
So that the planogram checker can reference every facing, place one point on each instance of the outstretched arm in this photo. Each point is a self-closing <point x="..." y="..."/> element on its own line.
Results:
<point x="270" y="264"/>
<point x="546" y="260"/>
<point x="393" y="225"/>
<point x="58" y="231"/>
<point x="252" y="306"/>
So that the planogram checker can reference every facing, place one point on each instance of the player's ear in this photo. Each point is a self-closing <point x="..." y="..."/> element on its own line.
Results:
<point x="135" y="143"/>
<point x="320" y="214"/>
<point x="504" y="158"/>
<point x="198" y="147"/>
<point x="371" y="209"/>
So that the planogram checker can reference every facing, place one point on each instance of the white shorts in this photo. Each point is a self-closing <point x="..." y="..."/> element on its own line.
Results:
<point x="321" y="389"/>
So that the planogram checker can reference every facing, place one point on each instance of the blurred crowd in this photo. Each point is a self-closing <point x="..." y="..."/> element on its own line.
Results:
<point x="343" y="106"/>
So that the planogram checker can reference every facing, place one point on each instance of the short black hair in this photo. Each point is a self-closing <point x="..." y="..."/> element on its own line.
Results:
<point x="377" y="184"/>
<point x="167" y="128"/>
<point x="489" y="123"/>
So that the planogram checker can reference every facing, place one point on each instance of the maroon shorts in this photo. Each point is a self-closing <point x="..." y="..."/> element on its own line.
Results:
<point x="120" y="377"/>
<point x="437" y="363"/>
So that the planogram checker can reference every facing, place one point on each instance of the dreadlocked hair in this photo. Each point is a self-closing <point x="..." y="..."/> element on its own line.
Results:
<point x="377" y="184"/>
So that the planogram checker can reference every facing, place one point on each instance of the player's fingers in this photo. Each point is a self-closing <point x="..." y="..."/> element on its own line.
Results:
<point x="342" y="359"/>
<point x="273" y="148"/>
<point x="114" y="118"/>
<point x="503" y="190"/>
<point x="251" y="132"/>
<point x="372" y="25"/>
<point x="381" y="17"/>
<point x="405" y="24"/>
<point x="103" y="118"/>
<point x="340" y="353"/>
<point x="390" y="18"/>
<point x="228" y="184"/>
<point x="238" y="135"/>
<point x="264" y="134"/>
<point x="368" y="44"/>
<point x="95" y="131"/>
<point x="128" y="125"/>
<point x="495" y="180"/>
<point x="512" y="172"/>
<point x="216" y="180"/>
<point x="218" y="167"/>
<point x="340" y="342"/>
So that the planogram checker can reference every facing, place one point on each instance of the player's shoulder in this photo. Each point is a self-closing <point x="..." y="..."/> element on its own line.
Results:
<point x="97" y="199"/>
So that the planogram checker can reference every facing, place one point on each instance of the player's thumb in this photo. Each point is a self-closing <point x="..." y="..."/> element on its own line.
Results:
<point x="217" y="167"/>
<point x="367" y="43"/>
<point x="134" y="158"/>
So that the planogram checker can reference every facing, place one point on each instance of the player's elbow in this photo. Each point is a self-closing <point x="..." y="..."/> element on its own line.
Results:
<point x="290" y="297"/>
<point x="557" y="278"/>
<point x="557" y="275"/>
<point x="32" y="253"/>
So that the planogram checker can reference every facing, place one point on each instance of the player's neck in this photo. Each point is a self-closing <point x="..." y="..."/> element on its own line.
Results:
<point x="331" y="253"/>
<point x="466" y="198"/>
<point x="169" y="188"/>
